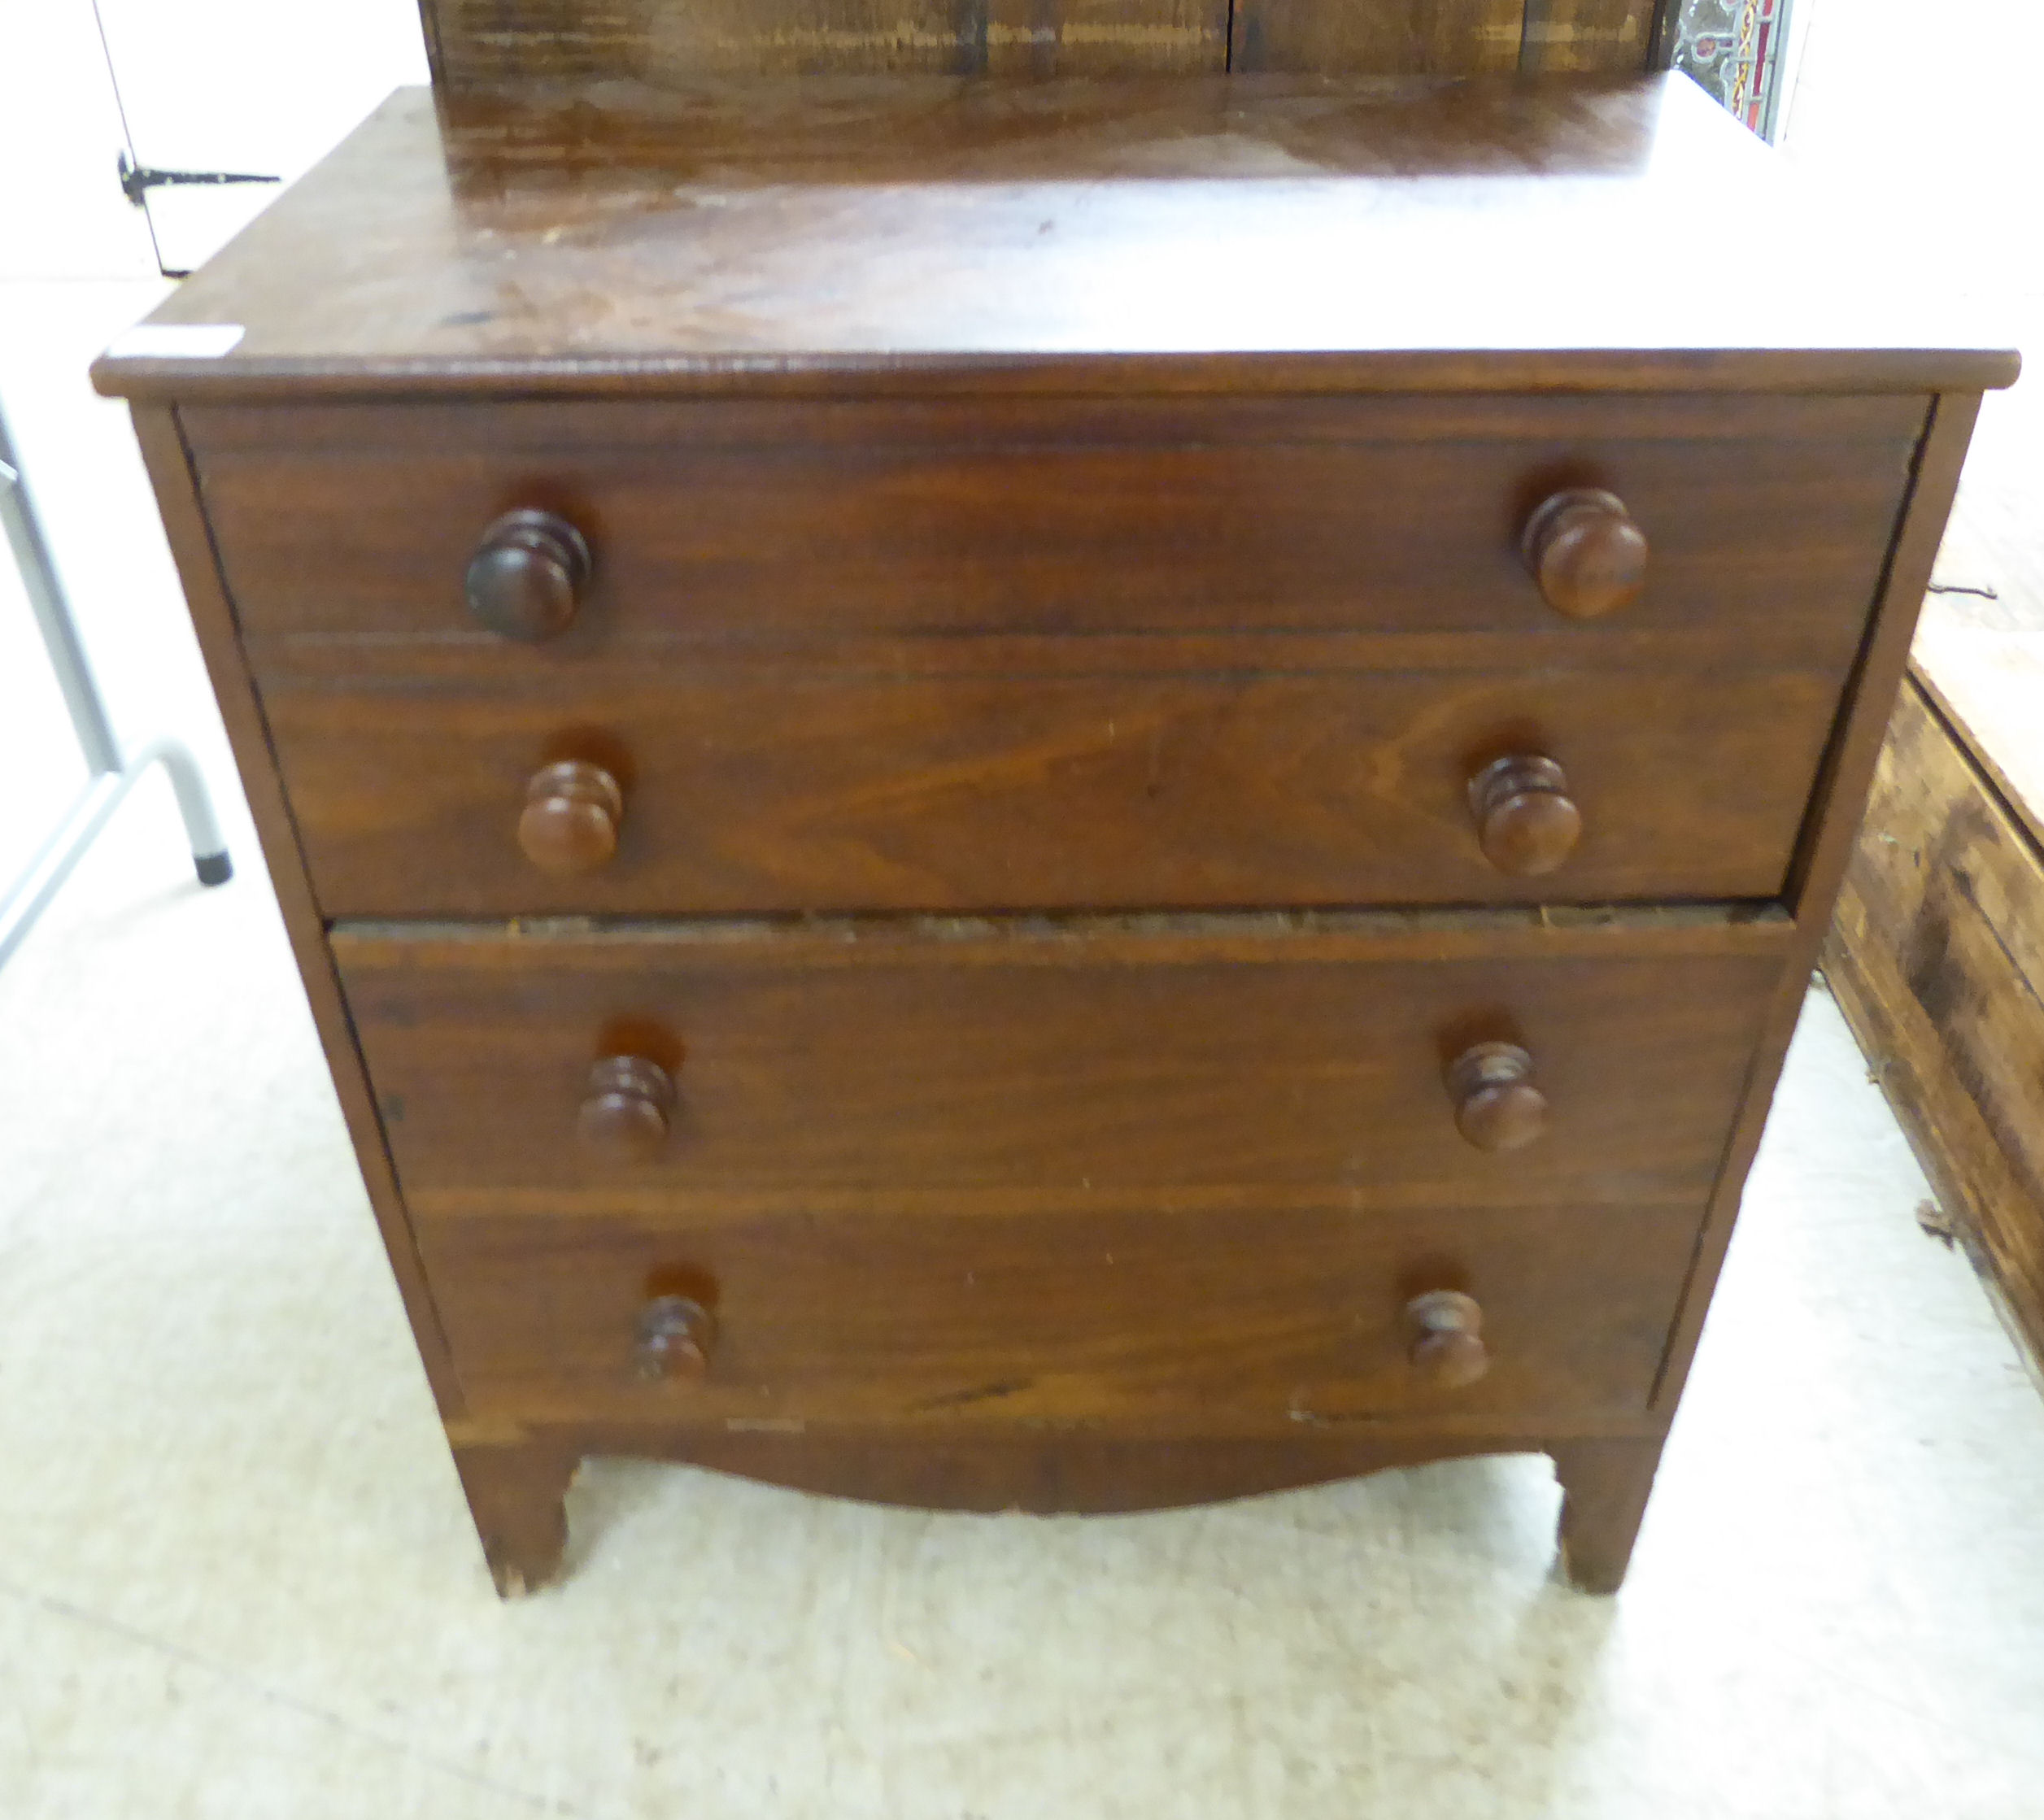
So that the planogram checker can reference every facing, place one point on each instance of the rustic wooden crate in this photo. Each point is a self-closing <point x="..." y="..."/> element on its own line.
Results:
<point x="1935" y="955"/>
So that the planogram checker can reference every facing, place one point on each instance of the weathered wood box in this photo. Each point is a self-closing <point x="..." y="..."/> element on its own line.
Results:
<point x="1937" y="951"/>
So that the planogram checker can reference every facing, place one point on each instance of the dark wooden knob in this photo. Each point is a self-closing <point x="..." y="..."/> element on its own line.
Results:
<point x="1447" y="1346"/>
<point x="1526" y="820"/>
<point x="525" y="578"/>
<point x="1497" y="1106"/>
<point x="570" y="820"/>
<point x="627" y="1110"/>
<point x="674" y="1339"/>
<point x="1586" y="553"/>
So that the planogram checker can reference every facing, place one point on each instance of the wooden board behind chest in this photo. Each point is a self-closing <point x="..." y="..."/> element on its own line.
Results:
<point x="478" y="42"/>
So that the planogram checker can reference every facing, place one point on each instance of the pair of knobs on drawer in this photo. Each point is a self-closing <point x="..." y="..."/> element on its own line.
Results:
<point x="1444" y="1345"/>
<point x="1581" y="545"/>
<point x="628" y="1103"/>
<point x="1526" y="820"/>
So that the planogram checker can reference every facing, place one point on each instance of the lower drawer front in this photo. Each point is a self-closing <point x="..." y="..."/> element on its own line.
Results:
<point x="1252" y="1322"/>
<point x="949" y="1067"/>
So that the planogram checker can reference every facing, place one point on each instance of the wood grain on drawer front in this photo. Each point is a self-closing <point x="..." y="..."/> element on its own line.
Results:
<point x="1145" y="1063"/>
<point x="1261" y="1319"/>
<point x="765" y="789"/>
<point x="1769" y="517"/>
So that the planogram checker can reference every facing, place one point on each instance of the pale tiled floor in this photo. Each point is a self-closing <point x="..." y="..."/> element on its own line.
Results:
<point x="236" y="1576"/>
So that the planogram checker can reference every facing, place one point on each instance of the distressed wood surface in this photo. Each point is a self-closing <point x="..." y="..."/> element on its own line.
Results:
<point x="1988" y="684"/>
<point x="1937" y="956"/>
<point x="928" y="234"/>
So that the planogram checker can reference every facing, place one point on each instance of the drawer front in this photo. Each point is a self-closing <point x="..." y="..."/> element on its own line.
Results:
<point x="742" y="789"/>
<point x="1217" y="1061"/>
<point x="1768" y="519"/>
<point x="1254" y="1321"/>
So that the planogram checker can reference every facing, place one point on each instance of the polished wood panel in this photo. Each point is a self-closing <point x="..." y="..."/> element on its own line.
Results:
<point x="1378" y="515"/>
<point x="1163" y="1062"/>
<point x="1261" y="1320"/>
<point x="778" y="788"/>
<point x="863" y="237"/>
<point x="1394" y="37"/>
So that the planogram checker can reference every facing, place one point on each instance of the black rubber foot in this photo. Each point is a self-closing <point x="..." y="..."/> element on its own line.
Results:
<point x="214" y="869"/>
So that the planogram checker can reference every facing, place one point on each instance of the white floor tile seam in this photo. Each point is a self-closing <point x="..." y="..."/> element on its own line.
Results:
<point x="110" y="1631"/>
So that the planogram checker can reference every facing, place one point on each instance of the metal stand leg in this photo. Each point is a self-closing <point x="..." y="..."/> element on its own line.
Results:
<point x="113" y="773"/>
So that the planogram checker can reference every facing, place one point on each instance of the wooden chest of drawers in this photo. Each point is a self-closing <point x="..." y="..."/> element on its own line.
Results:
<point x="1074" y="796"/>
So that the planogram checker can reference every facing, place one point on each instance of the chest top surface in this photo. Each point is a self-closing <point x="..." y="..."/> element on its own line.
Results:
<point x="925" y="233"/>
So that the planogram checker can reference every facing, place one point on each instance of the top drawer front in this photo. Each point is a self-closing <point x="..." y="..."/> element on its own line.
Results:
<point x="1767" y="517"/>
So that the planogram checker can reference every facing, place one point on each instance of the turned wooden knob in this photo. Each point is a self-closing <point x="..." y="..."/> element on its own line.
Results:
<point x="525" y="578"/>
<point x="1586" y="553"/>
<point x="1526" y="820"/>
<point x="1497" y="1106"/>
<point x="674" y="1338"/>
<point x="1447" y="1346"/>
<point x="627" y="1110"/>
<point x="570" y="820"/>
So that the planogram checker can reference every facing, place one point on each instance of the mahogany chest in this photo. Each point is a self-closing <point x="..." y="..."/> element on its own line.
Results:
<point x="1072" y="795"/>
